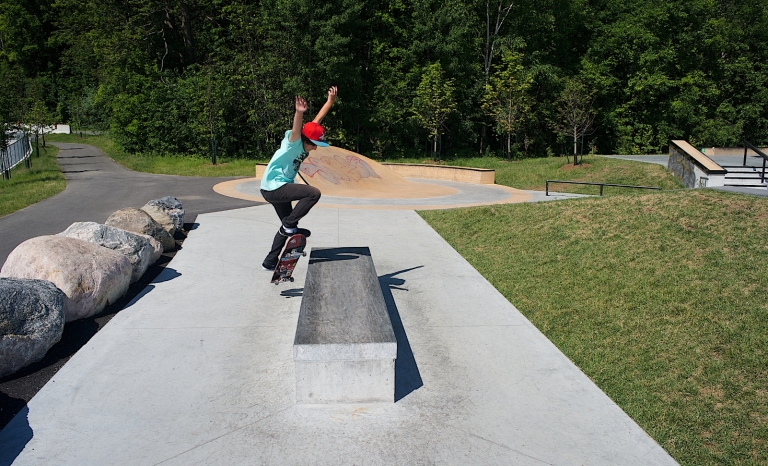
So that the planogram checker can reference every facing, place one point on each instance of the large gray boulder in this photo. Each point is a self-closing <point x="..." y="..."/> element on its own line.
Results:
<point x="31" y="321"/>
<point x="138" y="221"/>
<point x="91" y="277"/>
<point x="160" y="217"/>
<point x="171" y="206"/>
<point x="141" y="250"/>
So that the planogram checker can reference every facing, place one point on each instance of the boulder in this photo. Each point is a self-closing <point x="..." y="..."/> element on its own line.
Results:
<point x="138" y="221"/>
<point x="91" y="277"/>
<point x="137" y="248"/>
<point x="31" y="321"/>
<point x="161" y="217"/>
<point x="171" y="206"/>
<point x="157" y="247"/>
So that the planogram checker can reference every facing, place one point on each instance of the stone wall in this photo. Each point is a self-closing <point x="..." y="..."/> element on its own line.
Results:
<point x="682" y="167"/>
<point x="692" y="168"/>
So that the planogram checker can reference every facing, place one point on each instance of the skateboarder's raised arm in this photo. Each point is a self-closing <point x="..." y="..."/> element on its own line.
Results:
<point x="298" y="119"/>
<point x="328" y="104"/>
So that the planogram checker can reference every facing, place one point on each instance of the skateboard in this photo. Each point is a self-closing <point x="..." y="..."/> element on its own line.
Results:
<point x="294" y="248"/>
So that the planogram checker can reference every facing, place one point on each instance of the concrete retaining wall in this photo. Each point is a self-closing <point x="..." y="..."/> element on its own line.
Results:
<point x="433" y="172"/>
<point x="692" y="168"/>
<point x="718" y="151"/>
<point x="444" y="172"/>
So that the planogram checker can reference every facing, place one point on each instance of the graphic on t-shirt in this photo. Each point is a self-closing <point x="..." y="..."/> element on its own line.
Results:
<point x="297" y="161"/>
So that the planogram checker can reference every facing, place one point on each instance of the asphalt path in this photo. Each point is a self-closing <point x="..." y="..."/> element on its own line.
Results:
<point x="96" y="187"/>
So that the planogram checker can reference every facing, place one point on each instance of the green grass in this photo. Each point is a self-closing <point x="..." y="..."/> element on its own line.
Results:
<point x="164" y="165"/>
<point x="659" y="298"/>
<point x="28" y="186"/>
<point x="533" y="173"/>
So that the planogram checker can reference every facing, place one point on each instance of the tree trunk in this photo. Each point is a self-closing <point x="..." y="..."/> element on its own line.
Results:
<point x="434" y="150"/>
<point x="575" y="135"/>
<point x="186" y="34"/>
<point x="509" y="146"/>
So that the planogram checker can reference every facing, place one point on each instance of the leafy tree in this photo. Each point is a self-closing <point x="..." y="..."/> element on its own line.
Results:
<point x="433" y="102"/>
<point x="576" y="113"/>
<point x="506" y="97"/>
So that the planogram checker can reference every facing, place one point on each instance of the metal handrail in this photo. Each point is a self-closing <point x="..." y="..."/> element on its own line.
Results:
<point x="747" y="145"/>
<point x="15" y="153"/>
<point x="598" y="184"/>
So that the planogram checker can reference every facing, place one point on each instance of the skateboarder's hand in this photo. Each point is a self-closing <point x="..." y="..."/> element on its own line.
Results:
<point x="332" y="94"/>
<point x="301" y="104"/>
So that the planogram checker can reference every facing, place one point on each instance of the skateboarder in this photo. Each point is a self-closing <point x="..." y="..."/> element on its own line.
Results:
<point x="277" y="186"/>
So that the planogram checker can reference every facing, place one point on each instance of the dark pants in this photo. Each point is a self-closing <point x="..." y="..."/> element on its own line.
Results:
<point x="281" y="199"/>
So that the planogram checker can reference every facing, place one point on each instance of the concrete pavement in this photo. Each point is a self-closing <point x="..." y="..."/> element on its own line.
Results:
<point x="198" y="369"/>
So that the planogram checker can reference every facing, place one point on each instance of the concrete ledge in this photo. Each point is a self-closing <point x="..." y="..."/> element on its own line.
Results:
<point x="345" y="348"/>
<point x="444" y="172"/>
<point x="703" y="162"/>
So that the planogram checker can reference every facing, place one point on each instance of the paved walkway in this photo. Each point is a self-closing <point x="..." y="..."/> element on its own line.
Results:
<point x="96" y="187"/>
<point x="198" y="368"/>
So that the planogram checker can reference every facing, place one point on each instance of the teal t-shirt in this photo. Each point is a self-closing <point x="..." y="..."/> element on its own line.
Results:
<point x="284" y="165"/>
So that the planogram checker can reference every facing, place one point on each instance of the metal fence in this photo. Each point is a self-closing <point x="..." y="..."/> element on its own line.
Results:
<point x="18" y="151"/>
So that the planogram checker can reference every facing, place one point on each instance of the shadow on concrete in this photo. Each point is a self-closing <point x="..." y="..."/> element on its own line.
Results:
<point x="78" y="171"/>
<point x="26" y="382"/>
<point x="407" y="375"/>
<point x="293" y="293"/>
<point x="337" y="254"/>
<point x="166" y="275"/>
<point x="17" y="434"/>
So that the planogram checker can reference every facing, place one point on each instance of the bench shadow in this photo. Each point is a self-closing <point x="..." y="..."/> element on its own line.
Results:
<point x="17" y="433"/>
<point x="407" y="375"/>
<point x="337" y="254"/>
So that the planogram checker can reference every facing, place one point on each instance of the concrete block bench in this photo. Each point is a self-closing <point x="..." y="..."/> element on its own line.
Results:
<point x="345" y="348"/>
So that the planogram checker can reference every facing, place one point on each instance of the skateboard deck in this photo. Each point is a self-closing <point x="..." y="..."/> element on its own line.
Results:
<point x="294" y="248"/>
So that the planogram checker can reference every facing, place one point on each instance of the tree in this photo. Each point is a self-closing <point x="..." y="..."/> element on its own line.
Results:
<point x="576" y="114"/>
<point x="433" y="102"/>
<point x="506" y="97"/>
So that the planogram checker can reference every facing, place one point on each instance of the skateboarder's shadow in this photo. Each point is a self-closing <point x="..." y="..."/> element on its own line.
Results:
<point x="407" y="376"/>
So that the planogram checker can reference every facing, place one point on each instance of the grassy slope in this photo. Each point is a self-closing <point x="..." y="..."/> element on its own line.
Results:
<point x="532" y="173"/>
<point x="659" y="298"/>
<point x="27" y="187"/>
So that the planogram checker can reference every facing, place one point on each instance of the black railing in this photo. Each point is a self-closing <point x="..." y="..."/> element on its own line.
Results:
<point x="16" y="152"/>
<point x="748" y="146"/>
<point x="599" y="184"/>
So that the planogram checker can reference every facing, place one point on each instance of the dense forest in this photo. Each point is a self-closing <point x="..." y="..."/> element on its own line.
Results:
<point x="463" y="77"/>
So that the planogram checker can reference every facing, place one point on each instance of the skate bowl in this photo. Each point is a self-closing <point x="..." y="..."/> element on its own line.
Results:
<point x="350" y="180"/>
<point x="342" y="173"/>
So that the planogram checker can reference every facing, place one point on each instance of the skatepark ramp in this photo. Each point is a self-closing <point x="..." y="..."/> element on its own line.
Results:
<point x="340" y="172"/>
